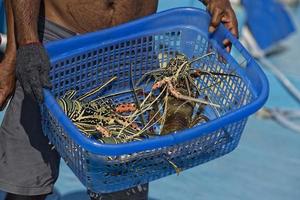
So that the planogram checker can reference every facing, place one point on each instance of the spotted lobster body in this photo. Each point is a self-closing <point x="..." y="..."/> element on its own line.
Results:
<point x="98" y="119"/>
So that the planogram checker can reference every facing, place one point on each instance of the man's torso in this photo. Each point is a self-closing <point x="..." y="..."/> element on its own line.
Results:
<point x="83" y="16"/>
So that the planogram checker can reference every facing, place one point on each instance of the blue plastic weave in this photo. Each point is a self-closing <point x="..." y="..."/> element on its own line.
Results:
<point x="87" y="61"/>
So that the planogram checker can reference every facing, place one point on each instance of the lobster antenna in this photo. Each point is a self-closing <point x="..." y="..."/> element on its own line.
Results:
<point x="94" y="91"/>
<point x="203" y="56"/>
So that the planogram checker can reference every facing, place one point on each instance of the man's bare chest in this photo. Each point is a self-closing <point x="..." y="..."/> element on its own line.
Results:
<point x="91" y="15"/>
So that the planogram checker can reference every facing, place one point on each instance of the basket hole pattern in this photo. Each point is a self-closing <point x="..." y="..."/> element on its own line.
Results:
<point x="72" y="153"/>
<point x="150" y="165"/>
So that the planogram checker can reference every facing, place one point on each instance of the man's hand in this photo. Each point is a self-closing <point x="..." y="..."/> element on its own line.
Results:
<point x="222" y="12"/>
<point x="32" y="70"/>
<point x="7" y="82"/>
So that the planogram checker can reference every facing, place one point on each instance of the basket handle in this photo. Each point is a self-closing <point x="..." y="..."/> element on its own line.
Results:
<point x="247" y="62"/>
<point x="223" y="33"/>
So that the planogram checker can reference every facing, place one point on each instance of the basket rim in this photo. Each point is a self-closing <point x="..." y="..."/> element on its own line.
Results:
<point x="170" y="139"/>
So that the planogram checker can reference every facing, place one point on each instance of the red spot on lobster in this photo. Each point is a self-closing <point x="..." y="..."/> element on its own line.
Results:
<point x="126" y="107"/>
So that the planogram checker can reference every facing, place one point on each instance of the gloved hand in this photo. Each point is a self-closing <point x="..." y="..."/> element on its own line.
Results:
<point x="32" y="70"/>
<point x="222" y="12"/>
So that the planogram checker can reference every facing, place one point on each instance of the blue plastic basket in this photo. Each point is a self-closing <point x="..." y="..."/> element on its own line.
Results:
<point x="86" y="61"/>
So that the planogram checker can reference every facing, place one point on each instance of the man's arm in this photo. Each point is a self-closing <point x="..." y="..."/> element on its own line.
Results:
<point x="26" y="14"/>
<point x="32" y="62"/>
<point x="222" y="12"/>
<point x="7" y="65"/>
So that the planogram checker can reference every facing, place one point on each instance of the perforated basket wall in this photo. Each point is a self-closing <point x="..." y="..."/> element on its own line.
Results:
<point x="84" y="69"/>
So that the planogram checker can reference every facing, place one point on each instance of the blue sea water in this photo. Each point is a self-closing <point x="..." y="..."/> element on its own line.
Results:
<point x="265" y="165"/>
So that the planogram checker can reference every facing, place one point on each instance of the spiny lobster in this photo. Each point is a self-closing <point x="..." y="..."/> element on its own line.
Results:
<point x="178" y="104"/>
<point x="98" y="118"/>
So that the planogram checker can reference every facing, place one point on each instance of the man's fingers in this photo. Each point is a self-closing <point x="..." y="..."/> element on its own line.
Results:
<point x="227" y="45"/>
<point x="226" y="42"/>
<point x="235" y="31"/>
<point x="37" y="91"/>
<point x="233" y="24"/>
<point x="27" y="90"/>
<point x="26" y="83"/>
<point x="2" y="99"/>
<point x="217" y="15"/>
<point x="37" y="87"/>
<point x="230" y="22"/>
<point x="225" y="19"/>
<point x="45" y="79"/>
<point x="228" y="48"/>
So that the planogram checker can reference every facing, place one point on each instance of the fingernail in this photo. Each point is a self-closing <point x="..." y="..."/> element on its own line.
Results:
<point x="211" y="29"/>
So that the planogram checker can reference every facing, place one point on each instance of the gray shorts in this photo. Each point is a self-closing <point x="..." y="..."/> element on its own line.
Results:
<point x="28" y="166"/>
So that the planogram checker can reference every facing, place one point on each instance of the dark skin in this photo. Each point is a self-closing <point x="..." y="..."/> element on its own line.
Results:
<point x="88" y="15"/>
<point x="222" y="12"/>
<point x="83" y="16"/>
<point x="7" y="65"/>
